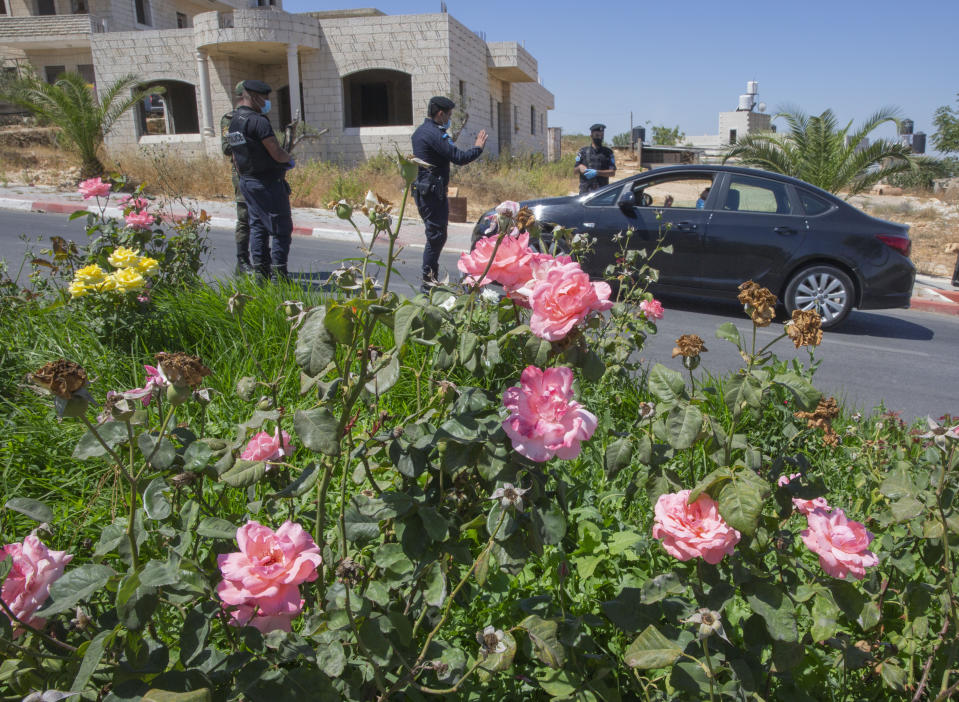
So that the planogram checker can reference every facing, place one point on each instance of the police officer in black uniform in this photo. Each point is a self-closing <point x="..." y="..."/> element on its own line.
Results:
<point x="242" y="232"/>
<point x="595" y="163"/>
<point x="262" y="163"/>
<point x="432" y="144"/>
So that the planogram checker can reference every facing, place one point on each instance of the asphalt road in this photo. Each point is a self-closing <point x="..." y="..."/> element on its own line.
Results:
<point x="902" y="359"/>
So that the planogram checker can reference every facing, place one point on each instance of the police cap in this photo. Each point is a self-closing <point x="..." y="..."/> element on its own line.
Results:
<point x="256" y="86"/>
<point x="598" y="128"/>
<point x="442" y="103"/>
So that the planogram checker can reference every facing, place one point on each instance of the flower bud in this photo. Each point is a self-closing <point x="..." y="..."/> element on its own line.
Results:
<point x="178" y="394"/>
<point x="245" y="387"/>
<point x="343" y="210"/>
<point x="265" y="404"/>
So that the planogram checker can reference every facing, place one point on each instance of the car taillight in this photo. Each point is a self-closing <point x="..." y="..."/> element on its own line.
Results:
<point x="901" y="244"/>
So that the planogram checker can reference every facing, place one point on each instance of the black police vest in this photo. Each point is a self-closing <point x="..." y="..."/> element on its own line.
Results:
<point x="249" y="154"/>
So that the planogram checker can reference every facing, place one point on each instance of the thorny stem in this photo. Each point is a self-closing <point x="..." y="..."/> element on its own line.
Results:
<point x="709" y="664"/>
<point x="456" y="685"/>
<point x="393" y="236"/>
<point x="477" y="285"/>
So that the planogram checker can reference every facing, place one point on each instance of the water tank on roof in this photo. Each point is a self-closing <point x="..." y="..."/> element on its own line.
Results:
<point x="752" y="87"/>
<point x="905" y="127"/>
<point x="919" y="143"/>
<point x="639" y="134"/>
<point x="746" y="103"/>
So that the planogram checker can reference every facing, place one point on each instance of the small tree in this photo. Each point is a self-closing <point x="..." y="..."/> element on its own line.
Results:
<point x="622" y="140"/>
<point x="818" y="151"/>
<point x="71" y="104"/>
<point x="667" y="136"/>
<point x="946" y="137"/>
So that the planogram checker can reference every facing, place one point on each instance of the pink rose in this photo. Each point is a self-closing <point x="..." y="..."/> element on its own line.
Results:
<point x="841" y="544"/>
<point x="544" y="420"/>
<point x="786" y="479"/>
<point x="808" y="506"/>
<point x="267" y="447"/>
<point x="511" y="265"/>
<point x="94" y="187"/>
<point x="154" y="382"/>
<point x="137" y="203"/>
<point x="261" y="581"/>
<point x="540" y="264"/>
<point x="653" y="309"/>
<point x="563" y="298"/>
<point x="27" y="586"/>
<point x="139" y="220"/>
<point x="693" y="530"/>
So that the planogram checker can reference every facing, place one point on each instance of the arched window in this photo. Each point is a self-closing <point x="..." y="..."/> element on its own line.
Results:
<point x="377" y="98"/>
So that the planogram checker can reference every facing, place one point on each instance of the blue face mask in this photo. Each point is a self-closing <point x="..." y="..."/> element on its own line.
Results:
<point x="266" y="107"/>
<point x="448" y="123"/>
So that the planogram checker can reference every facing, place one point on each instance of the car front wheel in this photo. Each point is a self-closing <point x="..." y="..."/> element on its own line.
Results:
<point x="825" y="289"/>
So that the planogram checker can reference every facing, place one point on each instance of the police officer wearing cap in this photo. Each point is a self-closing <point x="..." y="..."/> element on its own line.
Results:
<point x="242" y="231"/>
<point x="262" y="163"/>
<point x="595" y="163"/>
<point x="432" y="144"/>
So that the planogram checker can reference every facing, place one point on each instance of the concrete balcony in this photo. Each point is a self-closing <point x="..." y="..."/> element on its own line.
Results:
<point x="510" y="62"/>
<point x="257" y="33"/>
<point x="50" y="31"/>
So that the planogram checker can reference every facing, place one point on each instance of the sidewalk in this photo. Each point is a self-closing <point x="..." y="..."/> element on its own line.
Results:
<point x="930" y="294"/>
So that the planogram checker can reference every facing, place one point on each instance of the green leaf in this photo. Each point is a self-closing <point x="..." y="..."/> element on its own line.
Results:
<point x="155" y="504"/>
<point x="331" y="657"/>
<point x="622" y="541"/>
<point x="805" y="394"/>
<point x="318" y="430"/>
<point x="742" y="391"/>
<point x="593" y="366"/>
<point x="550" y="524"/>
<point x="537" y="351"/>
<point x="194" y="635"/>
<point x="201" y="695"/>
<point x="315" y="347"/>
<point x="651" y="650"/>
<point x="467" y="345"/>
<point x="403" y="320"/>
<point x="75" y="586"/>
<point x="91" y="659"/>
<point x="618" y="456"/>
<point x="340" y="322"/>
<point x="434" y="589"/>
<point x="360" y="527"/>
<point x="304" y="481"/>
<point x="244" y="473"/>
<point x="197" y="456"/>
<point x="546" y="646"/>
<point x="36" y="510"/>
<point x="824" y="614"/>
<point x="557" y="684"/>
<point x="662" y="586"/>
<point x="906" y="508"/>
<point x="777" y="610"/>
<point x="385" y="377"/>
<point x="729" y="332"/>
<point x="897" y="484"/>
<point x="435" y="524"/>
<point x="163" y="456"/>
<point x="683" y="425"/>
<point x="112" y="433"/>
<point x="708" y="483"/>
<point x="216" y="528"/>
<point x="741" y="500"/>
<point x="396" y="565"/>
<point x="482" y="567"/>
<point x="159" y="573"/>
<point x="893" y="675"/>
<point x="666" y="384"/>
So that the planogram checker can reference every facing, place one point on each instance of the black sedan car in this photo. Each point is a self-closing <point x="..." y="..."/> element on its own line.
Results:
<point x="728" y="224"/>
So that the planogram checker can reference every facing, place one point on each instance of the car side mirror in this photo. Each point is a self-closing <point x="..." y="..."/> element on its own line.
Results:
<point x="628" y="199"/>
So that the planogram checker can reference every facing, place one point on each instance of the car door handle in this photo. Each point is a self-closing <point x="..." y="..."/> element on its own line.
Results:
<point x="784" y="231"/>
<point x="686" y="226"/>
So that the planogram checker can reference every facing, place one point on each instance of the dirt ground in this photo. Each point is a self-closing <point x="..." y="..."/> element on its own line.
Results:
<point x="29" y="155"/>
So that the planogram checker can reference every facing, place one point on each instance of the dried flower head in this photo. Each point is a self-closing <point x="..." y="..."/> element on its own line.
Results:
<point x="805" y="328"/>
<point x="510" y="496"/>
<point x="821" y="418"/>
<point x="647" y="410"/>
<point x="236" y="303"/>
<point x="376" y="204"/>
<point x="689" y="346"/>
<point x="60" y="377"/>
<point x="182" y="369"/>
<point x="759" y="303"/>
<point x="349" y="572"/>
<point x="524" y="218"/>
<point x="709" y="622"/>
<point x="491" y="640"/>
<point x="184" y="479"/>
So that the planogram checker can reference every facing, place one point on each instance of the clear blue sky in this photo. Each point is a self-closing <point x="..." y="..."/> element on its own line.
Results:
<point x="681" y="63"/>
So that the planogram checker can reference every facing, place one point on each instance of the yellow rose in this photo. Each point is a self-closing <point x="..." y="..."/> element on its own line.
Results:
<point x="123" y="257"/>
<point x="106" y="285"/>
<point x="90" y="275"/>
<point x="129" y="280"/>
<point x="147" y="265"/>
<point x="78" y="289"/>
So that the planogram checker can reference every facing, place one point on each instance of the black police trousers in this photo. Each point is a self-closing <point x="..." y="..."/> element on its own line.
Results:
<point x="268" y="202"/>
<point x="435" y="213"/>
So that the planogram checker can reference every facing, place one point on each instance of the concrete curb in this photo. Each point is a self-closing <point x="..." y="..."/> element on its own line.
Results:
<point x="919" y="303"/>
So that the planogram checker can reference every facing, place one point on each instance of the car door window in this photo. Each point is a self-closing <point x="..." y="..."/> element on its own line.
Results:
<point x="606" y="198"/>
<point x="747" y="194"/>
<point x="811" y="204"/>
<point x="684" y="192"/>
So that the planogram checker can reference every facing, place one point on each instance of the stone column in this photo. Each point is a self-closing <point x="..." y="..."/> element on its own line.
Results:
<point x="206" y="102"/>
<point x="293" y="73"/>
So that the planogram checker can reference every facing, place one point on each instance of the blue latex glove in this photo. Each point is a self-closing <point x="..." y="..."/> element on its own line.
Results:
<point x="589" y="173"/>
<point x="290" y="164"/>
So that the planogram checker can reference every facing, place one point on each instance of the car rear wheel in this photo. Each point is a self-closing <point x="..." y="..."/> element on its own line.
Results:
<point x="825" y="289"/>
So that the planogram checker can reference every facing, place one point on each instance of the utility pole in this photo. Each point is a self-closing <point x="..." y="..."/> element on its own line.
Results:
<point x="632" y="143"/>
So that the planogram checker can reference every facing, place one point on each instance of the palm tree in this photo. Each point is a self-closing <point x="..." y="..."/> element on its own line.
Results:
<point x="817" y="151"/>
<point x="71" y="104"/>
